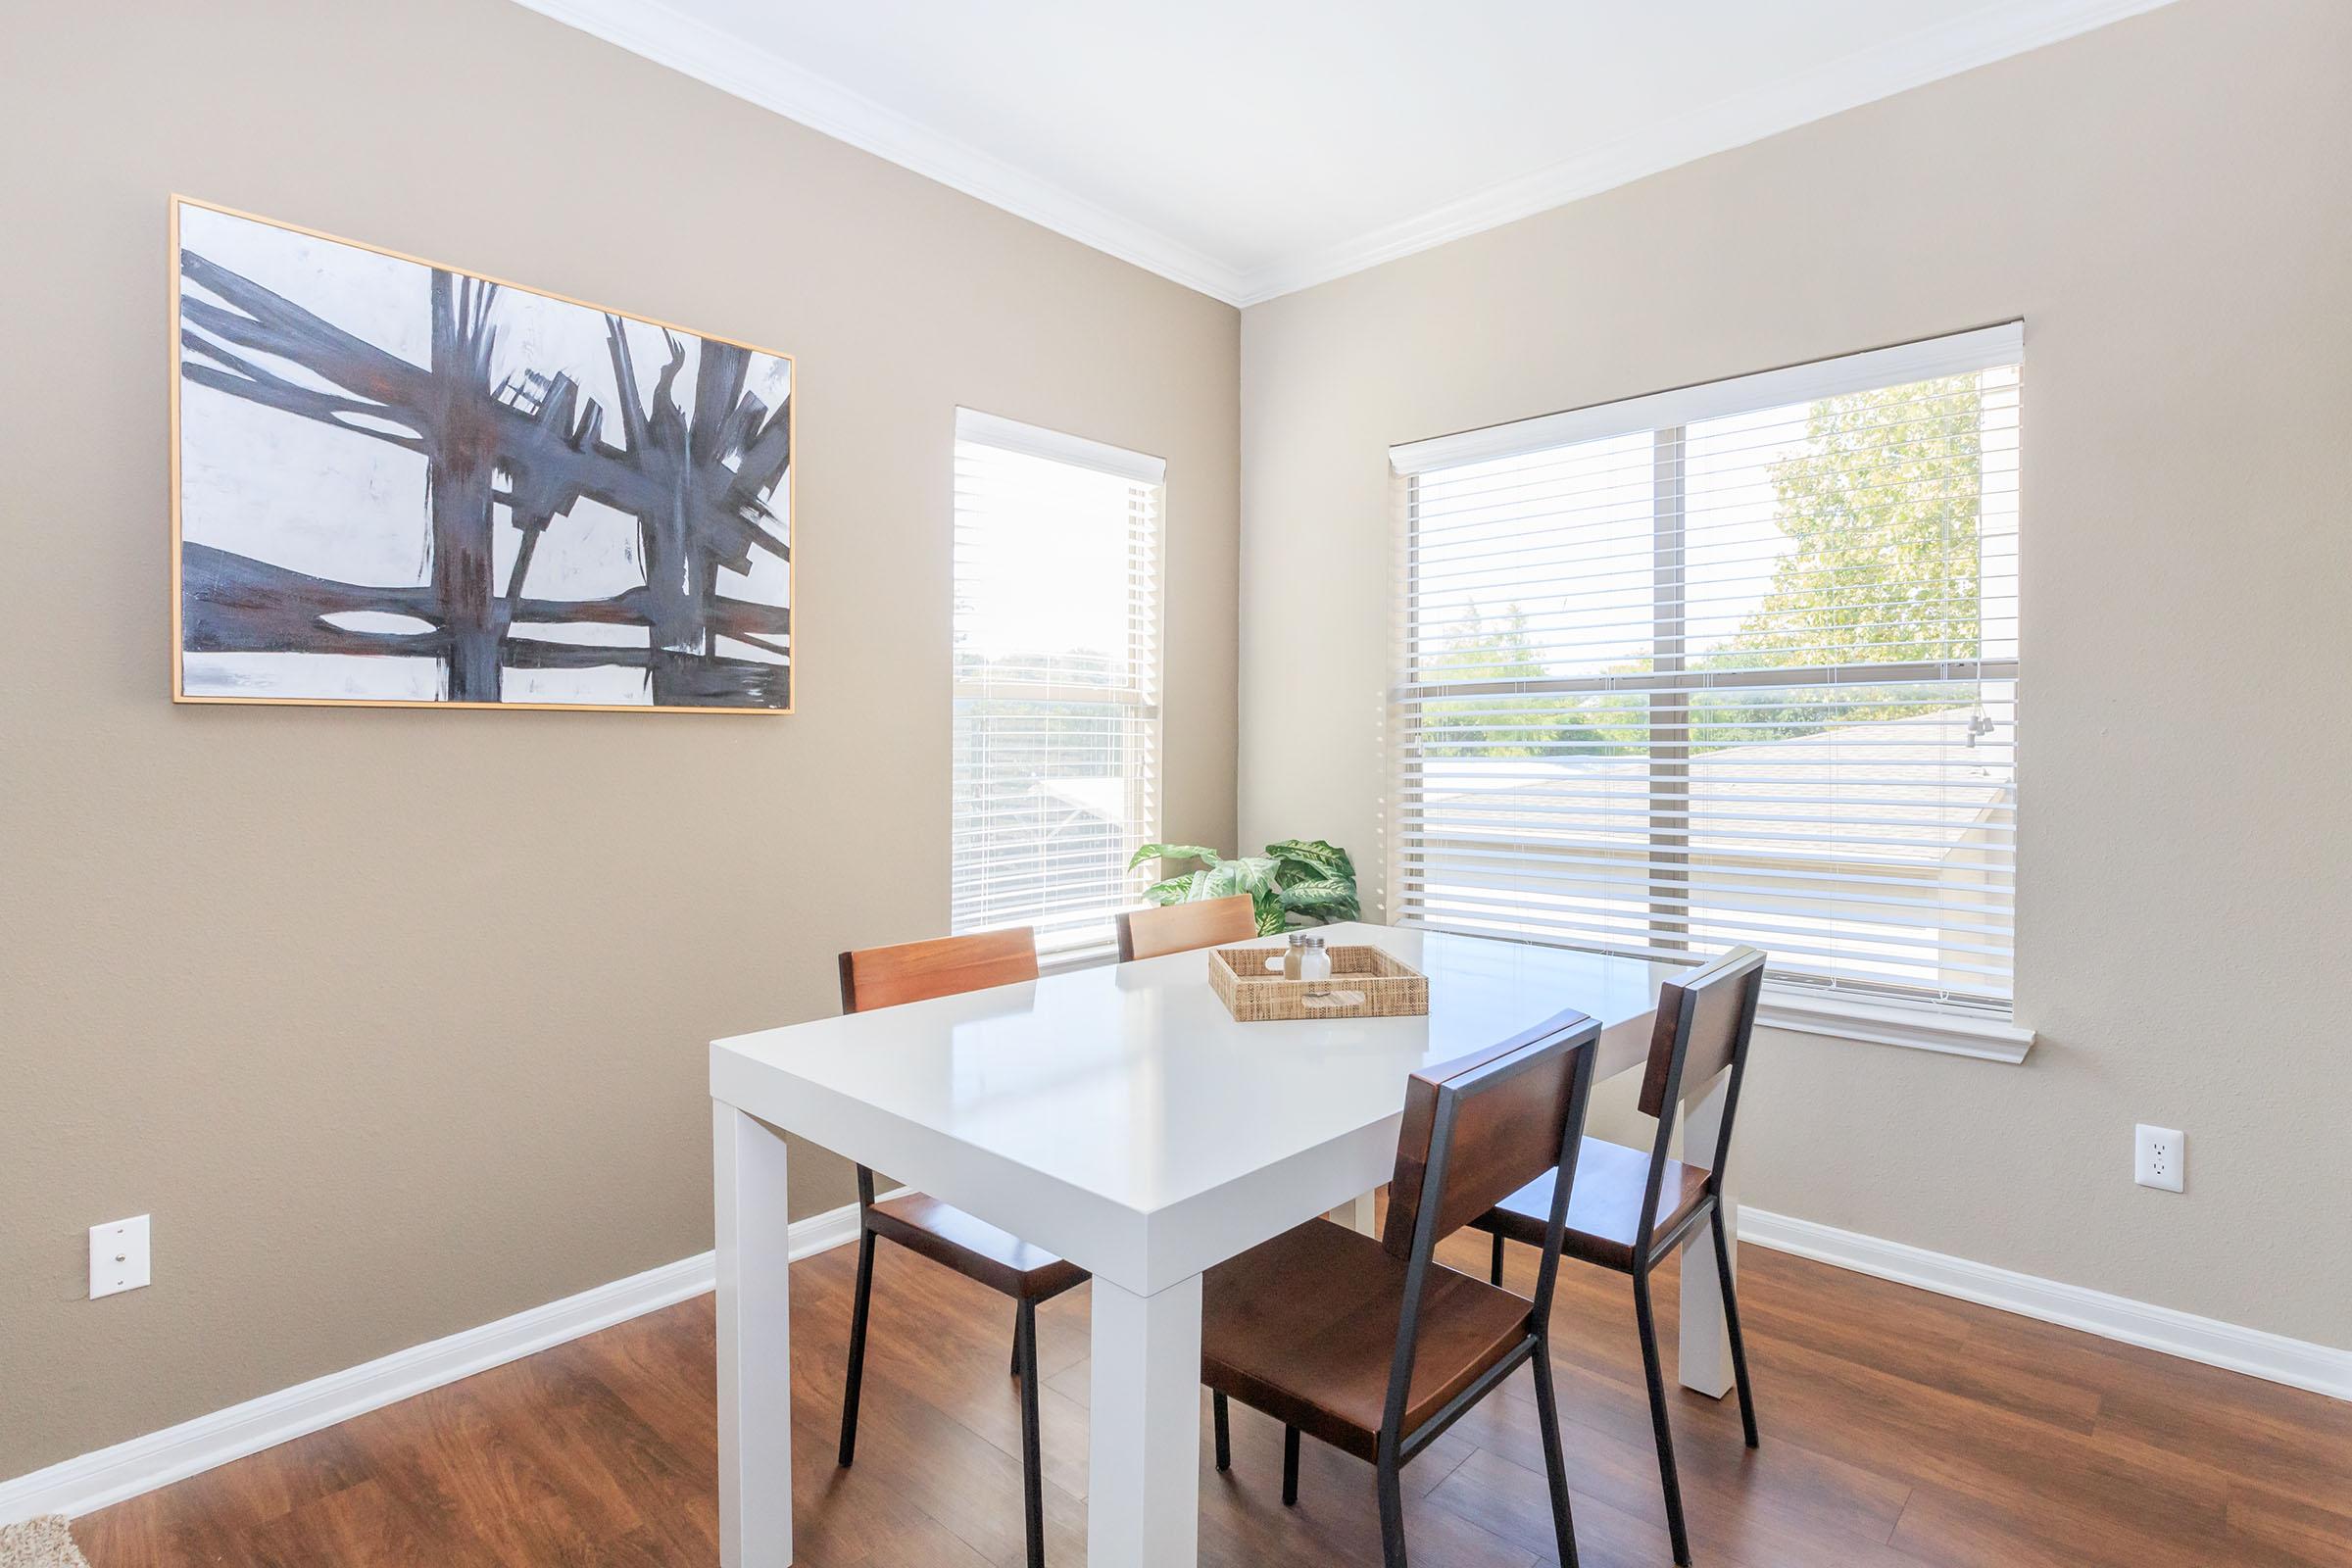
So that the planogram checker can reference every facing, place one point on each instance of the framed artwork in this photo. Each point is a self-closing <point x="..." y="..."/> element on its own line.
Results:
<point x="403" y="483"/>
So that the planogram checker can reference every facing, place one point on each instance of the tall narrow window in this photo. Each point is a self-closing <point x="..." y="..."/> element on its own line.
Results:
<point x="1737" y="664"/>
<point x="1058" y="666"/>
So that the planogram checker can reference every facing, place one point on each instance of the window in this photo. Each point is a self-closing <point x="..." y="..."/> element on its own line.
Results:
<point x="1057" y="649"/>
<point x="1737" y="664"/>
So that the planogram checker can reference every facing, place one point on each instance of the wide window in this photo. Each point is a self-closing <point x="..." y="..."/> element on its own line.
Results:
<point x="1737" y="664"/>
<point x="1058" y="666"/>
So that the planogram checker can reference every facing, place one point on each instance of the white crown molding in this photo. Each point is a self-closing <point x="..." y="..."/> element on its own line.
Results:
<point x="2297" y="1363"/>
<point x="661" y="34"/>
<point x="80" y="1485"/>
<point x="719" y="58"/>
<point x="1864" y="76"/>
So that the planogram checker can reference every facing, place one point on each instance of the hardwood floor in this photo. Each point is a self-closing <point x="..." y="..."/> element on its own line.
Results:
<point x="1899" y="1429"/>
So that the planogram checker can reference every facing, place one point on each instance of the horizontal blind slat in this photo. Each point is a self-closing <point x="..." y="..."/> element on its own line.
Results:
<point x="1056" y="726"/>
<point x="1754" y="678"/>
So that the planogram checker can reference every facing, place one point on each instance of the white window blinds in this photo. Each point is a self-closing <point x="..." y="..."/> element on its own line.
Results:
<point x="1737" y="664"/>
<point x="1058" y="666"/>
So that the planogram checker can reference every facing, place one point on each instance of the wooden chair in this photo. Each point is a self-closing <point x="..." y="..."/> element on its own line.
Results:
<point x="1628" y="1210"/>
<point x="916" y="972"/>
<point x="1182" y="927"/>
<point x="1368" y="1345"/>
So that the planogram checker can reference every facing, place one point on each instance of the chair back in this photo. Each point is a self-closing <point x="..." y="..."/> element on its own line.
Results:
<point x="1705" y="1019"/>
<point x="1182" y="927"/>
<point x="918" y="971"/>
<point x="1506" y="1108"/>
<point x="1476" y="1130"/>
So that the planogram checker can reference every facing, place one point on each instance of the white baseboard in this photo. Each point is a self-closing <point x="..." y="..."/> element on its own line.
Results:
<point x="2298" y="1363"/>
<point x="94" y="1480"/>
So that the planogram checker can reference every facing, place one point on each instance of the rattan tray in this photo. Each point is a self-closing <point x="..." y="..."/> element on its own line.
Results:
<point x="1366" y="983"/>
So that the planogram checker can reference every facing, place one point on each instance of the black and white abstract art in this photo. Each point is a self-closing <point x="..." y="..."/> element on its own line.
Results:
<point x="397" y="483"/>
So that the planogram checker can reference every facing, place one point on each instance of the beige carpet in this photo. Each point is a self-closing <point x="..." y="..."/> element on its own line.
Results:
<point x="39" y="1543"/>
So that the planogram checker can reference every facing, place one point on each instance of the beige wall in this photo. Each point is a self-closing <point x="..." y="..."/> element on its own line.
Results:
<point x="396" y="1021"/>
<point x="2167" y="203"/>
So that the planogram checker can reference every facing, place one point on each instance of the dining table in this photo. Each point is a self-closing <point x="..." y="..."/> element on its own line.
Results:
<point x="1120" y="1116"/>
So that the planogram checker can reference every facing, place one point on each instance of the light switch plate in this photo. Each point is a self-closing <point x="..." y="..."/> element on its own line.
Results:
<point x="119" y="1256"/>
<point x="2160" y="1156"/>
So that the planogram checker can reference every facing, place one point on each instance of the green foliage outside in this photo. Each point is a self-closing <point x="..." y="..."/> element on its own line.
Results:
<point x="1522" y="726"/>
<point x="1881" y="509"/>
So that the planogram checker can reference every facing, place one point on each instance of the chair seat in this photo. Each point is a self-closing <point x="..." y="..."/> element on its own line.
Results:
<point x="1604" y="1205"/>
<point x="1303" y="1328"/>
<point x="973" y="1247"/>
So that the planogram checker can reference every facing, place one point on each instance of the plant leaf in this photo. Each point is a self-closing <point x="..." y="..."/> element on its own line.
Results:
<point x="1331" y="899"/>
<point x="1271" y="916"/>
<point x="1318" y="851"/>
<point x="1253" y="874"/>
<point x="1309" y="861"/>
<point x="1172" y="852"/>
<point x="1172" y="891"/>
<point x="1310" y="895"/>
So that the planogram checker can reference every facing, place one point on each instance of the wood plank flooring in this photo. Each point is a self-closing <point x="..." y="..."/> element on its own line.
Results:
<point x="1900" y="1430"/>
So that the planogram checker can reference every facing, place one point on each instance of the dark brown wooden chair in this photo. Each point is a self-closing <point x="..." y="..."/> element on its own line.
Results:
<point x="1371" y="1347"/>
<point x="1628" y="1210"/>
<point x="916" y="972"/>
<point x="1182" y="927"/>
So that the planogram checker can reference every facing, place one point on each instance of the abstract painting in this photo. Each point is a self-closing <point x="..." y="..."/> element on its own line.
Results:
<point x="399" y="482"/>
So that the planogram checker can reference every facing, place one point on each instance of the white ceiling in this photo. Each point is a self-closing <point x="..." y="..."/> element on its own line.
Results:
<point x="1248" y="149"/>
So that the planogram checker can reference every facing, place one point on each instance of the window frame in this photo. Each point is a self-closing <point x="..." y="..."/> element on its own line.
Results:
<point x="1851" y="1011"/>
<point x="1143" y="698"/>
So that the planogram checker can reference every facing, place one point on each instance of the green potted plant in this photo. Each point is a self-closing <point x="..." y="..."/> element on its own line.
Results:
<point x="1296" y="881"/>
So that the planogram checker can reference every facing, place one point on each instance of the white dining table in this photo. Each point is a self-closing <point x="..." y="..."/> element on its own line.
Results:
<point x="1120" y="1116"/>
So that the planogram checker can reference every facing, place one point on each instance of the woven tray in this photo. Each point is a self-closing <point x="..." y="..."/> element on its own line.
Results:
<point x="1366" y="983"/>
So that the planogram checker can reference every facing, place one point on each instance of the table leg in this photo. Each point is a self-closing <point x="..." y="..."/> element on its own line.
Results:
<point x="755" y="1342"/>
<point x="1142" y="1507"/>
<point x="1704" y="1362"/>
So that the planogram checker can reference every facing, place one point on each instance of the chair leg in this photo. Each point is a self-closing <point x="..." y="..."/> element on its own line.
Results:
<point x="1290" y="1468"/>
<point x="1033" y="1493"/>
<point x="858" y="1315"/>
<point x="1555" y="1464"/>
<point x="1017" y="1342"/>
<point x="1730" y="1321"/>
<point x="1498" y="1257"/>
<point x="1648" y="1326"/>
<point x="1392" y="1512"/>
<point x="1224" y="1423"/>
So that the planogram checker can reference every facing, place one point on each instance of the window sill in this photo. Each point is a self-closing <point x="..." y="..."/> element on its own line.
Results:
<point x="1889" y="1024"/>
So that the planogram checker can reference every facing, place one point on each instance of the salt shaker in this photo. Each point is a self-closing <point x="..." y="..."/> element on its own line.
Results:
<point x="1314" y="967"/>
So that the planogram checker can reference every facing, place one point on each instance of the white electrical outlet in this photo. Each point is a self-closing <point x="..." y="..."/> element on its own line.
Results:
<point x="118" y="1257"/>
<point x="2160" y="1156"/>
